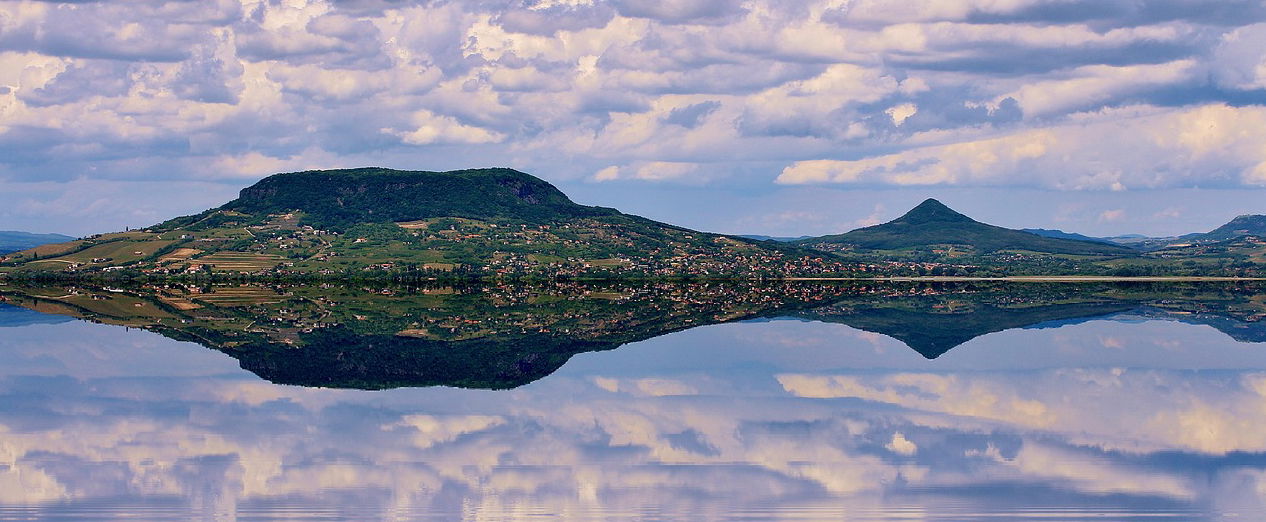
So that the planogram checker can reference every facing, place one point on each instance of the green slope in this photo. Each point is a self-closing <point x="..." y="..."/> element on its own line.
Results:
<point x="1247" y="225"/>
<point x="932" y="223"/>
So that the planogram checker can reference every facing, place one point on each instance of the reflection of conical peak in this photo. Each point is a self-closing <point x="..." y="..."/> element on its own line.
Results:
<point x="934" y="332"/>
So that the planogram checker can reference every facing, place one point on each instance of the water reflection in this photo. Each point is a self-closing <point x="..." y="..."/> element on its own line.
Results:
<point x="1126" y="415"/>
<point x="506" y="336"/>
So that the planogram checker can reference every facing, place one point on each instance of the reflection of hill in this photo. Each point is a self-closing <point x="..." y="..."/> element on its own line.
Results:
<point x="338" y="357"/>
<point x="933" y="323"/>
<point x="507" y="336"/>
<point x="499" y="337"/>
<point x="1245" y="332"/>
<point x="932" y="334"/>
<point x="16" y="316"/>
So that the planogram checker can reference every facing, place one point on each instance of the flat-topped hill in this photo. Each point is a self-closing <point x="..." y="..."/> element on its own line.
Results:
<point x="337" y="199"/>
<point x="493" y="222"/>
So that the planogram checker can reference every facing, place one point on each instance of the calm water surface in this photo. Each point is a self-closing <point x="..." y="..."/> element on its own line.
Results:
<point x="1120" y="416"/>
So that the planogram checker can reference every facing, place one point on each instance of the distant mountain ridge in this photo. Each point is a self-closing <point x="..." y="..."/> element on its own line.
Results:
<point x="1243" y="226"/>
<point x="932" y="223"/>
<point x="1060" y="234"/>
<point x="14" y="241"/>
<point x="784" y="239"/>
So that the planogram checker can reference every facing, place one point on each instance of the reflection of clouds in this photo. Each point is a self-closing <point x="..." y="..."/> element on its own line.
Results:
<point x="23" y="483"/>
<point x="552" y="452"/>
<point x="652" y="387"/>
<point x="432" y="430"/>
<point x="929" y="392"/>
<point x="1092" y="473"/>
<point x="626" y="451"/>
<point x="593" y="446"/>
<point x="1115" y="409"/>
<point x="1111" y="342"/>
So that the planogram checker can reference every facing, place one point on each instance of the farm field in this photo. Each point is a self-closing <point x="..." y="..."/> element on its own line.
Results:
<point x="239" y="261"/>
<point x="239" y="296"/>
<point x="117" y="252"/>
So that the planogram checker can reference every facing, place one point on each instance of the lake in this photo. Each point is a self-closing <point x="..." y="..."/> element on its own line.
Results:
<point x="635" y="401"/>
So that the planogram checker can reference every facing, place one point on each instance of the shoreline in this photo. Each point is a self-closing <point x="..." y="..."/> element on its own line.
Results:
<point x="1038" y="279"/>
<point x="6" y="278"/>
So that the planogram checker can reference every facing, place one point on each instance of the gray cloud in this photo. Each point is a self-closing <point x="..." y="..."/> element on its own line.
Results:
<point x="132" y="32"/>
<point x="1105" y="15"/>
<point x="690" y="115"/>
<point x="682" y="11"/>
<point x="551" y="20"/>
<point x="81" y="80"/>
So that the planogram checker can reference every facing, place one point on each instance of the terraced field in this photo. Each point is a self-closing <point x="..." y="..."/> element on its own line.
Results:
<point x="55" y="248"/>
<point x="180" y="254"/>
<point x="240" y="296"/>
<point x="240" y="261"/>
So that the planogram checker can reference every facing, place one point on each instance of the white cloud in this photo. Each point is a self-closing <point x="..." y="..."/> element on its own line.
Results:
<point x="900" y="113"/>
<point x="1092" y="85"/>
<point x="1240" y="59"/>
<point x="607" y="174"/>
<point x="1109" y="150"/>
<point x="660" y="170"/>
<point x="1109" y="216"/>
<point x="437" y="128"/>
<point x="901" y="445"/>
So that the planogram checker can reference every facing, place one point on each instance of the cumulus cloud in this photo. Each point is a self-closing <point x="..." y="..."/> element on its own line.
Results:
<point x="438" y="128"/>
<point x="648" y="171"/>
<point x="1112" y="215"/>
<point x="1110" y="150"/>
<point x="1241" y="58"/>
<point x="681" y="11"/>
<point x="901" y="445"/>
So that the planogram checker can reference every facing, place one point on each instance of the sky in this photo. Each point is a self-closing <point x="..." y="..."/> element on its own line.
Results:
<point x="761" y="117"/>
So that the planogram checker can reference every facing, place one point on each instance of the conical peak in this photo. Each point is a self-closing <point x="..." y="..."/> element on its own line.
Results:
<point x="932" y="210"/>
<point x="932" y="204"/>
